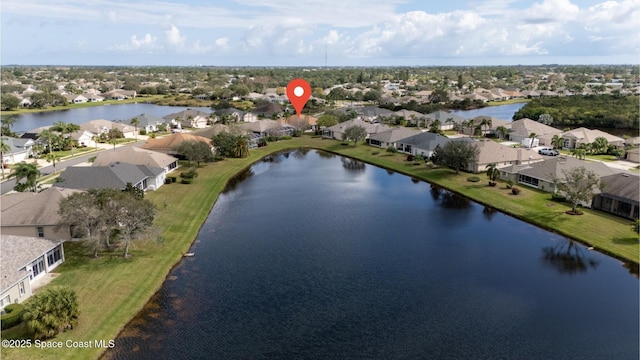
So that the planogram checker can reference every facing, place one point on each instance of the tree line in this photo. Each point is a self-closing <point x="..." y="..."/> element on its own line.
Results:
<point x="597" y="111"/>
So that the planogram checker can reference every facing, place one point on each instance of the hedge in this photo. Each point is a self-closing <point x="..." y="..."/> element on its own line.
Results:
<point x="13" y="315"/>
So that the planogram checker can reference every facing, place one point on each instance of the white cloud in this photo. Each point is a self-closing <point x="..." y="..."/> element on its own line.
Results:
<point x="146" y="43"/>
<point x="174" y="38"/>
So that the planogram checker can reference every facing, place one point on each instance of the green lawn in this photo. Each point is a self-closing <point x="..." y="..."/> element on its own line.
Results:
<point x="507" y="102"/>
<point x="112" y="290"/>
<point x="137" y="99"/>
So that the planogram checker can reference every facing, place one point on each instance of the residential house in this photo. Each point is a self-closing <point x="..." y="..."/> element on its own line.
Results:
<point x="423" y="143"/>
<point x="34" y="134"/>
<point x="167" y="144"/>
<point x="501" y="155"/>
<point x="24" y="260"/>
<point x="270" y="110"/>
<point x="576" y="137"/>
<point x="92" y="97"/>
<point x="148" y="122"/>
<point x="76" y="98"/>
<point x="371" y="113"/>
<point x="189" y="118"/>
<point x="337" y="131"/>
<point x="302" y="122"/>
<point x="268" y="127"/>
<point x="447" y="119"/>
<point x="620" y="195"/>
<point x="391" y="137"/>
<point x="113" y="176"/>
<point x="101" y="126"/>
<point x="137" y="156"/>
<point x="491" y="123"/>
<point x="523" y="128"/>
<point x="236" y="115"/>
<point x="540" y="175"/>
<point x="119" y="94"/>
<point x="19" y="149"/>
<point x="411" y="117"/>
<point x="84" y="138"/>
<point x="35" y="214"/>
<point x="633" y="155"/>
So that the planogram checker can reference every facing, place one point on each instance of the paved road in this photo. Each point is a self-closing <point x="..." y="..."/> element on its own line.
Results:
<point x="8" y="185"/>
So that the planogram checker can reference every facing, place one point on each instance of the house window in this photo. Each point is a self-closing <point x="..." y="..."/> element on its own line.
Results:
<point x="5" y="301"/>
<point x="21" y="287"/>
<point x="37" y="267"/>
<point x="40" y="230"/>
<point x="566" y="143"/>
<point x="54" y="256"/>
<point x="527" y="180"/>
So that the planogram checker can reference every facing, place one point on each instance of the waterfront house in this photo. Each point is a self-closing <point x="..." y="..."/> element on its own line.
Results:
<point x="112" y="176"/>
<point x="148" y="123"/>
<point x="137" y="156"/>
<point x="633" y="155"/>
<point x="35" y="214"/>
<point x="492" y="152"/>
<point x="189" y="118"/>
<point x="391" y="137"/>
<point x="236" y="115"/>
<point x="337" y="131"/>
<point x="19" y="149"/>
<point x="423" y="143"/>
<point x="523" y="128"/>
<point x="620" y="195"/>
<point x="24" y="260"/>
<point x="167" y="144"/>
<point x="576" y="137"/>
<point x="101" y="126"/>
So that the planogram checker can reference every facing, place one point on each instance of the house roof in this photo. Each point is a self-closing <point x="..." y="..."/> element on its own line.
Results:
<point x="524" y="127"/>
<point x="546" y="170"/>
<point x="17" y="252"/>
<point x="633" y="141"/>
<point x="145" y="120"/>
<point x="168" y="142"/>
<point x="369" y="128"/>
<point x="622" y="186"/>
<point x="492" y="152"/>
<point x="17" y="145"/>
<point x="185" y="114"/>
<point x="100" y="126"/>
<point x="136" y="156"/>
<point x="269" y="109"/>
<point x="373" y="111"/>
<point x="427" y="140"/>
<point x="261" y="126"/>
<point x="304" y="120"/>
<point x="29" y="208"/>
<point x="587" y="136"/>
<point x="408" y="114"/>
<point x="112" y="176"/>
<point x="229" y="111"/>
<point x="394" y="134"/>
<point x="443" y="116"/>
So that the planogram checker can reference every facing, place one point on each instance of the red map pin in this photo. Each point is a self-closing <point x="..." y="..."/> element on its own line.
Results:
<point x="298" y="92"/>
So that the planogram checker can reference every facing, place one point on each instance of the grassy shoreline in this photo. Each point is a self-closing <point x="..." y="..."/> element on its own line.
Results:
<point x="113" y="290"/>
<point x="138" y="99"/>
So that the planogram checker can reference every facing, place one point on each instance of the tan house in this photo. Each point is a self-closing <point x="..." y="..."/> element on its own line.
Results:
<point x="337" y="131"/>
<point x="633" y="155"/>
<point x="166" y="144"/>
<point x="24" y="260"/>
<point x="137" y="156"/>
<point x="576" y="137"/>
<point x="101" y="126"/>
<point x="492" y="152"/>
<point x="35" y="214"/>
<point x="391" y="137"/>
<point x="523" y="128"/>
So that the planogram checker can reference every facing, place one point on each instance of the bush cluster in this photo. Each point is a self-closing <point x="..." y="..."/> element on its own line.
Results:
<point x="13" y="316"/>
<point x="473" y="179"/>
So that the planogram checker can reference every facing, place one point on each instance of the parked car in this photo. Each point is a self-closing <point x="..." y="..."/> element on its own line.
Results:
<point x="548" y="151"/>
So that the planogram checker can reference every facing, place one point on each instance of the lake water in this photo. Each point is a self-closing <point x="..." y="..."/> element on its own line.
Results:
<point x="31" y="121"/>
<point x="78" y="116"/>
<point x="308" y="255"/>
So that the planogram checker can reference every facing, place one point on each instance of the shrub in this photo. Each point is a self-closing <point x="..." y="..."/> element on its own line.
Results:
<point x="409" y="157"/>
<point x="375" y="153"/>
<point x="492" y="183"/>
<point x="167" y="180"/>
<point x="187" y="180"/>
<point x="13" y="315"/>
<point x="52" y="311"/>
<point x="143" y="132"/>
<point x="153" y="135"/>
<point x="189" y="174"/>
<point x="509" y="184"/>
<point x="473" y="179"/>
<point x="392" y="149"/>
<point x="515" y="191"/>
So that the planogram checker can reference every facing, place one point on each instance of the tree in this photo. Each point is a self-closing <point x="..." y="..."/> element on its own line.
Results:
<point x="53" y="140"/>
<point x="599" y="145"/>
<point x="28" y="172"/>
<point x="224" y="144"/>
<point x="434" y="127"/>
<point x="53" y="158"/>
<point x="241" y="147"/>
<point x="577" y="185"/>
<point x="579" y="153"/>
<point x="455" y="154"/>
<point x="52" y="311"/>
<point x="8" y="102"/>
<point x="327" y="120"/>
<point x="134" y="217"/>
<point x="81" y="211"/>
<point x="65" y="129"/>
<point x="135" y="123"/>
<point x="557" y="142"/>
<point x="355" y="133"/>
<point x="546" y="119"/>
<point x="493" y="172"/>
<point x="193" y="150"/>
<point x="4" y="148"/>
<point x="502" y="131"/>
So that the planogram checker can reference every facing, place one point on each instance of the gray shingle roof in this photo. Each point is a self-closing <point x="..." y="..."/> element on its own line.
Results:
<point x="394" y="134"/>
<point x="28" y="208"/>
<point x="17" y="252"/>
<point x="444" y="115"/>
<point x="546" y="170"/>
<point x="622" y="186"/>
<point x="185" y="114"/>
<point x="114" y="176"/>
<point x="136" y="156"/>
<point x="428" y="141"/>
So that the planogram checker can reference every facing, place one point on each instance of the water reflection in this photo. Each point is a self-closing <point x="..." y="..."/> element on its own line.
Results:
<point x="452" y="200"/>
<point x="568" y="258"/>
<point x="325" y="154"/>
<point x="234" y="181"/>
<point x="352" y="164"/>
<point x="488" y="212"/>
<point x="435" y="191"/>
<point x="301" y="153"/>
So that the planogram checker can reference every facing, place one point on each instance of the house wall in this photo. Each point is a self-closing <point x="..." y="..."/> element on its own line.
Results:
<point x="617" y="207"/>
<point x="50" y="231"/>
<point x="633" y="156"/>
<point x="14" y="292"/>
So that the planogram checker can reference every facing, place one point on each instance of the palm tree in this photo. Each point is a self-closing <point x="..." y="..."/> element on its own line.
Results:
<point x="65" y="129"/>
<point x="579" y="152"/>
<point x="51" y="138"/>
<point x="501" y="131"/>
<point x="135" y="123"/>
<point x="557" y="142"/>
<point x="53" y="158"/>
<point x="52" y="311"/>
<point x="532" y="136"/>
<point x="241" y="148"/>
<point x="4" y="148"/>
<point x="493" y="172"/>
<point x="30" y="173"/>
<point x="37" y="150"/>
<point x="434" y="127"/>
<point x="599" y="145"/>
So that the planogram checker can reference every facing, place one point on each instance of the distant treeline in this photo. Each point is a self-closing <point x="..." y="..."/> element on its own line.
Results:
<point x="596" y="111"/>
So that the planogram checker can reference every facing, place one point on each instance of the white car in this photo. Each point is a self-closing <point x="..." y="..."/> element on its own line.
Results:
<point x="548" y="151"/>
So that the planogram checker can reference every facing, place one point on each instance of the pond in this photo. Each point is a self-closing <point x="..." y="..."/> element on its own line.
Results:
<point x="310" y="255"/>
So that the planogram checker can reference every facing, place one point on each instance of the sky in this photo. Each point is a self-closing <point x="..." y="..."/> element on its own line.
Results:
<point x="319" y="32"/>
